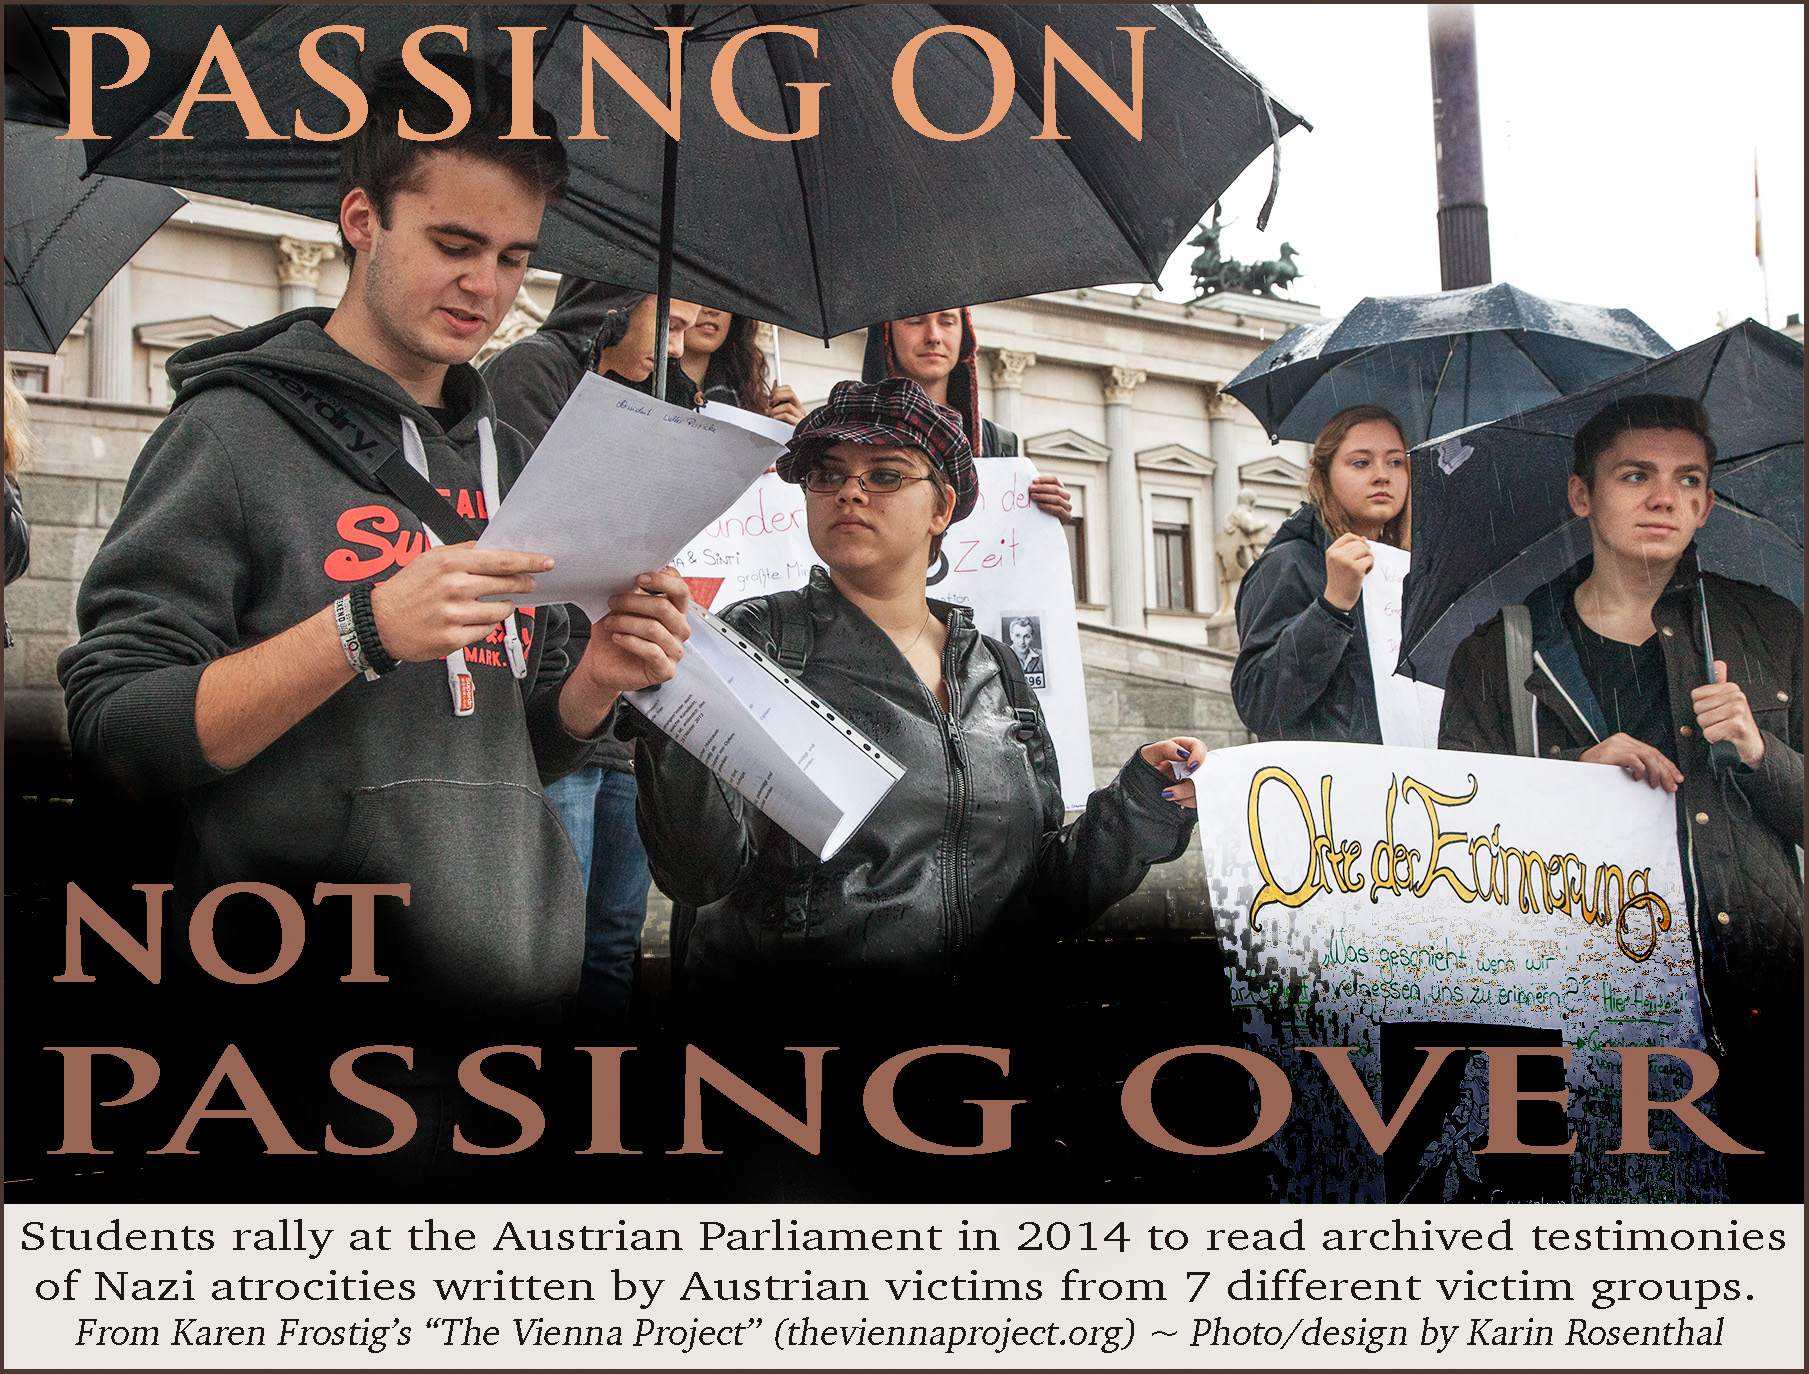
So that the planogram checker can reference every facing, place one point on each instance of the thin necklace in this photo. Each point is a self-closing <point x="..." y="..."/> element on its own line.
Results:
<point x="906" y="651"/>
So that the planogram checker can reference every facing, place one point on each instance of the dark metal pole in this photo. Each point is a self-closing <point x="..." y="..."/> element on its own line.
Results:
<point x="1463" y="215"/>
<point x="662" y="322"/>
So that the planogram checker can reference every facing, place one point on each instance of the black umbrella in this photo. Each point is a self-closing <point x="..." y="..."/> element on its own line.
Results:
<point x="1492" y="523"/>
<point x="65" y="236"/>
<point x="868" y="220"/>
<point x="1440" y="362"/>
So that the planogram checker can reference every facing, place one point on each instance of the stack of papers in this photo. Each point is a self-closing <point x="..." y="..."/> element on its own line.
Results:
<point x="618" y="486"/>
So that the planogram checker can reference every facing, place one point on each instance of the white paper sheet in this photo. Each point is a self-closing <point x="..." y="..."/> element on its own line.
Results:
<point x="776" y="430"/>
<point x="811" y="772"/>
<point x="1408" y="710"/>
<point x="618" y="486"/>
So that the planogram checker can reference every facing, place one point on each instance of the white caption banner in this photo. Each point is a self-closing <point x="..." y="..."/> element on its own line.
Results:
<point x="1178" y="1286"/>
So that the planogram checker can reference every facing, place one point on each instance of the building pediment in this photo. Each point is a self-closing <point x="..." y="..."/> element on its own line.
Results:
<point x="1274" y="468"/>
<point x="1066" y="443"/>
<point x="174" y="334"/>
<point x="1176" y="458"/>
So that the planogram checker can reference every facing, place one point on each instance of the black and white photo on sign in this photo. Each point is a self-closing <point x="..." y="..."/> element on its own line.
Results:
<point x="1024" y="633"/>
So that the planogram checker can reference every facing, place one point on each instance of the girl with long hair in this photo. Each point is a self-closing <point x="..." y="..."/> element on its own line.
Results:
<point x="723" y="357"/>
<point x="1303" y="658"/>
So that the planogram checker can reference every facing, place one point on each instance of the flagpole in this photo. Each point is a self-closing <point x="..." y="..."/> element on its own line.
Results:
<point x="1758" y="240"/>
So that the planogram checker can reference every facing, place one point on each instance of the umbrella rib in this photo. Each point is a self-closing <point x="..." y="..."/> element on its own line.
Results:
<point x="713" y="29"/>
<point x="94" y="184"/>
<point x="1708" y="377"/>
<point x="810" y="228"/>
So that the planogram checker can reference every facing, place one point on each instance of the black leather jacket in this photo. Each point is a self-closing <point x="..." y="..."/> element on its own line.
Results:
<point x="961" y="868"/>
<point x="1302" y="669"/>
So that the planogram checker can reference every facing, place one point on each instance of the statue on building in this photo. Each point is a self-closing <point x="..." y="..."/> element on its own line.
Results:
<point x="1241" y="540"/>
<point x="1215" y="274"/>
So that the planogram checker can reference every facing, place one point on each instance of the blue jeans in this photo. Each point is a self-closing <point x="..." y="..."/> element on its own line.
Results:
<point x="596" y="807"/>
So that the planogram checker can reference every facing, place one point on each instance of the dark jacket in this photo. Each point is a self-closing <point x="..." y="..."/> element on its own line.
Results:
<point x="18" y="535"/>
<point x="533" y="378"/>
<point x="988" y="440"/>
<point x="1302" y="669"/>
<point x="236" y="525"/>
<point x="960" y="870"/>
<point x="1737" y="831"/>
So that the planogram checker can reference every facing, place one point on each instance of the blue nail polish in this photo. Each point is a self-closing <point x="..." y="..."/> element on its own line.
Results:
<point x="1182" y="752"/>
<point x="1168" y="793"/>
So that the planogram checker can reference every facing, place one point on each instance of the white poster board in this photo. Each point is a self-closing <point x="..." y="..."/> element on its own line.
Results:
<point x="1357" y="886"/>
<point x="1408" y="710"/>
<point x="1007" y="561"/>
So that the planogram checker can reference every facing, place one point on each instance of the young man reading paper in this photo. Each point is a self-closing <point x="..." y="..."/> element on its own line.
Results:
<point x="269" y="633"/>
<point x="1618" y="678"/>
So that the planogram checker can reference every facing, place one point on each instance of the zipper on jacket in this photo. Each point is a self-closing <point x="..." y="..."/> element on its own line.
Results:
<point x="954" y="872"/>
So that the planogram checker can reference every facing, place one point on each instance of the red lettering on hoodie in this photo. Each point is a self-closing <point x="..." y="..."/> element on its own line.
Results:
<point x="344" y="565"/>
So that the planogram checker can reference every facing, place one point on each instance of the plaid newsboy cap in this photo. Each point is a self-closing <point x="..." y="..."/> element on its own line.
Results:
<point x="895" y="412"/>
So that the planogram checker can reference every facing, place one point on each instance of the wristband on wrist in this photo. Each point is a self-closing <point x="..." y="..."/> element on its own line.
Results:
<point x="348" y="636"/>
<point x="378" y="660"/>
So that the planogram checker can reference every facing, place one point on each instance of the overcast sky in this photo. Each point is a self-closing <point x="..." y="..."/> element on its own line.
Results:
<point x="1617" y="154"/>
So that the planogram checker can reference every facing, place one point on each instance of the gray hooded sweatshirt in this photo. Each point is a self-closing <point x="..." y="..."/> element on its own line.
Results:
<point x="236" y="525"/>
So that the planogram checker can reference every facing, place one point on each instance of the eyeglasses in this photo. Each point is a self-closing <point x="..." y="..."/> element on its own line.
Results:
<point x="875" y="481"/>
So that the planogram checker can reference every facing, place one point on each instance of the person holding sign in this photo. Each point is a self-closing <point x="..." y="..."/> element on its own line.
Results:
<point x="940" y="352"/>
<point x="964" y="865"/>
<point x="1616" y="674"/>
<point x="1303" y="664"/>
<point x="723" y="360"/>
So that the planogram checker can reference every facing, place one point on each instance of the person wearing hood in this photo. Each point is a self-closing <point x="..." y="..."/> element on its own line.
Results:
<point x="610" y="330"/>
<point x="940" y="352"/>
<point x="1302" y="668"/>
<point x="938" y="904"/>
<point x="274" y="633"/>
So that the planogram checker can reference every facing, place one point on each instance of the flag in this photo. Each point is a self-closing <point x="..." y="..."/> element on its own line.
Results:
<point x="1758" y="243"/>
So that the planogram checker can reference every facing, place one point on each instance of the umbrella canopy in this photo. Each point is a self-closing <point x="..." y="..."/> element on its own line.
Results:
<point x="868" y="220"/>
<point x="1492" y="522"/>
<point x="1440" y="362"/>
<point x="66" y="237"/>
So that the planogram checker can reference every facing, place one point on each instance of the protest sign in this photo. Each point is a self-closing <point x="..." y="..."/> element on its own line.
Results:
<point x="1007" y="561"/>
<point x="1408" y="710"/>
<point x="1358" y="888"/>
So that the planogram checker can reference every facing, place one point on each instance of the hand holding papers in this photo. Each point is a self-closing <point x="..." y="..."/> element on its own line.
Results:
<point x="801" y="764"/>
<point x="619" y="484"/>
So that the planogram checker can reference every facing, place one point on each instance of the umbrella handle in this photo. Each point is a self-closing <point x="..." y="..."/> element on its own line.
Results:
<point x="1724" y="755"/>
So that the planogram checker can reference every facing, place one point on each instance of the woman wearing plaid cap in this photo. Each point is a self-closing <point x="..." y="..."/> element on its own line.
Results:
<point x="965" y="865"/>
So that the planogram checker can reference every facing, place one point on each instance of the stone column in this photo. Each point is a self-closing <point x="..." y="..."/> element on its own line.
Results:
<point x="110" y="341"/>
<point x="1124" y="501"/>
<point x="1221" y="427"/>
<point x="1008" y="368"/>
<point x="298" y="269"/>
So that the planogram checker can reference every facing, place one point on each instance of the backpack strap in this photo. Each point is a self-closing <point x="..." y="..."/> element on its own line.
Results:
<point x="793" y="634"/>
<point x="1031" y="730"/>
<point x="1517" y="625"/>
<point x="356" y="440"/>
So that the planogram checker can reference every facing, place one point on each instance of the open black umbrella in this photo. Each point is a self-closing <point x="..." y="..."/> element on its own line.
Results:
<point x="65" y="236"/>
<point x="1492" y="523"/>
<point x="868" y="220"/>
<point x="1440" y="362"/>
